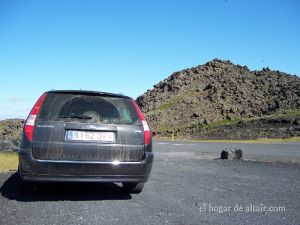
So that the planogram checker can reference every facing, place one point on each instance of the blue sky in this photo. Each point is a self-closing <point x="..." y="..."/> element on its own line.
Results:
<point x="128" y="46"/>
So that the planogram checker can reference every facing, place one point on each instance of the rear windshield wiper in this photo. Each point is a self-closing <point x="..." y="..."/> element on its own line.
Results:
<point x="77" y="117"/>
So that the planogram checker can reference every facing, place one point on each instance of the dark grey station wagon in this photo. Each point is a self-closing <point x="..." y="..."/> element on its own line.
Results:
<point x="86" y="136"/>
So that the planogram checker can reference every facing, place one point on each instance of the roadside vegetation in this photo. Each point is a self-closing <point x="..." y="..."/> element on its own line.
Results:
<point x="8" y="161"/>
<point x="277" y="127"/>
<point x="226" y="122"/>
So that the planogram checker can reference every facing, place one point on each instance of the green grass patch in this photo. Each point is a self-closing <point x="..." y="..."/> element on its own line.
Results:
<point x="2" y="126"/>
<point x="168" y="104"/>
<point x="8" y="161"/>
<point x="234" y="121"/>
<point x="173" y="101"/>
<point x="221" y="123"/>
<point x="295" y="112"/>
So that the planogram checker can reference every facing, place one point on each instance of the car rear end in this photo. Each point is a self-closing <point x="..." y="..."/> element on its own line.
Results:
<point x="85" y="136"/>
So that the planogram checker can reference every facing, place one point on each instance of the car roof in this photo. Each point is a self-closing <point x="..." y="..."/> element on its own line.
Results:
<point x="86" y="92"/>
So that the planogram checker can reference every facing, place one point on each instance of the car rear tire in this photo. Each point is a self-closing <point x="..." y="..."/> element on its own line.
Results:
<point x="133" y="188"/>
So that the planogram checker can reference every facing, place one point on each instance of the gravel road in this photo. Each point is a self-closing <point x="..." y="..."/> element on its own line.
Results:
<point x="187" y="186"/>
<point x="276" y="152"/>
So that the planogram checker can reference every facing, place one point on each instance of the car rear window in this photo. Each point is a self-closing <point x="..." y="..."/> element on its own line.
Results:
<point x="90" y="108"/>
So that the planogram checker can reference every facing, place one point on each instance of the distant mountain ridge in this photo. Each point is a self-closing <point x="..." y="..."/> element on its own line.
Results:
<point x="217" y="90"/>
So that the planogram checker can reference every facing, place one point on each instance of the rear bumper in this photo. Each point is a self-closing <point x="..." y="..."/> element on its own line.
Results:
<point x="83" y="171"/>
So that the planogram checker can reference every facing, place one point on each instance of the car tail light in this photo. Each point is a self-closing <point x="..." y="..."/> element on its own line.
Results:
<point x="147" y="134"/>
<point x="29" y="125"/>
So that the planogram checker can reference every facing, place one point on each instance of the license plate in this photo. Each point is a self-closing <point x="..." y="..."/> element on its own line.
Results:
<point x="74" y="135"/>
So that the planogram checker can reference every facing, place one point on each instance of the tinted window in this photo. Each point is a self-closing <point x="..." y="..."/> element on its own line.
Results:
<point x="90" y="108"/>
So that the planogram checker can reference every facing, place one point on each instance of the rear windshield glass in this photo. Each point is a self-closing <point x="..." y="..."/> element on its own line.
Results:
<point x="89" y="108"/>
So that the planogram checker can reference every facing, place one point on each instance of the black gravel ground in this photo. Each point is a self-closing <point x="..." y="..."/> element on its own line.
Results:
<point x="184" y="188"/>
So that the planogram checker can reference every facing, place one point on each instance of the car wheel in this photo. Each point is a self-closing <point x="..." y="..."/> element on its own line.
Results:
<point x="133" y="188"/>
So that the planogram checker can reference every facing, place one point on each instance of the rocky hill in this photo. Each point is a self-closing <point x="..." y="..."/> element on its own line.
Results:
<point x="188" y="101"/>
<point x="10" y="132"/>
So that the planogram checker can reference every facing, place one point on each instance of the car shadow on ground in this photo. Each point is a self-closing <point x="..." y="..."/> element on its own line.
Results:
<point x="14" y="189"/>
